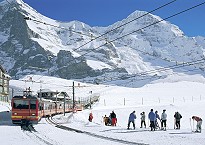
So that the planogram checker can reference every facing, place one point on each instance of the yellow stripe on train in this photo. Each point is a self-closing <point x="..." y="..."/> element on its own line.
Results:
<point x="24" y="117"/>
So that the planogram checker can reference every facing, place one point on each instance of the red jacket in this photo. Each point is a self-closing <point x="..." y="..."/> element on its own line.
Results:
<point x="90" y="117"/>
<point x="196" y="118"/>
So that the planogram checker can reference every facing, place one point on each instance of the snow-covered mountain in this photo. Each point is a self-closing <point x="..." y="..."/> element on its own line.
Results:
<point x="31" y="47"/>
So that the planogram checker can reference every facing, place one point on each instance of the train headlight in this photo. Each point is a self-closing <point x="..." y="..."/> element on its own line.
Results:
<point x="15" y="113"/>
<point x="33" y="114"/>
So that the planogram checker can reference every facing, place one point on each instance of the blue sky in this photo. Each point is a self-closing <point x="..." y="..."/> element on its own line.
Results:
<point x="107" y="12"/>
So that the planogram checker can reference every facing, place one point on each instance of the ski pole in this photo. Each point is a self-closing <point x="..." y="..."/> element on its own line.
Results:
<point x="174" y="123"/>
<point x="193" y="124"/>
<point x="190" y="124"/>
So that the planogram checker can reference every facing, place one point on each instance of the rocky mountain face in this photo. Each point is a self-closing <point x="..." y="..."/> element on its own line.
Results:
<point x="40" y="45"/>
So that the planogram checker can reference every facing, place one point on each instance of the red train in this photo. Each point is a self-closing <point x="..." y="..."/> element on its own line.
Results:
<point x="31" y="108"/>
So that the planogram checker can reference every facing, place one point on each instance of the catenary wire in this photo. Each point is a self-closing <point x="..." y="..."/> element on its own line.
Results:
<point x="140" y="29"/>
<point x="146" y="26"/>
<point x="27" y="18"/>
<point x="152" y="23"/>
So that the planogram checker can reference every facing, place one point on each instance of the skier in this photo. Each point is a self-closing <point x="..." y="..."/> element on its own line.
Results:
<point x="156" y="122"/>
<point x="113" y="118"/>
<point x="143" y="119"/>
<point x="132" y="118"/>
<point x="177" y="117"/>
<point x="90" y="117"/>
<point x="199" y="123"/>
<point x="163" y="120"/>
<point x="152" y="118"/>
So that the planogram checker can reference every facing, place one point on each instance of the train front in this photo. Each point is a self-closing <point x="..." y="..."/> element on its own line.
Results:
<point x="25" y="109"/>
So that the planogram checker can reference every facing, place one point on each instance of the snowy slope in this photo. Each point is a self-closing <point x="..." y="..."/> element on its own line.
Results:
<point x="189" y="99"/>
<point x="54" y="48"/>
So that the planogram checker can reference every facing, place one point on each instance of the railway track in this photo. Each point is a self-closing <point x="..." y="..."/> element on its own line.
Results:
<point x="58" y="125"/>
<point x="28" y="127"/>
<point x="35" y="136"/>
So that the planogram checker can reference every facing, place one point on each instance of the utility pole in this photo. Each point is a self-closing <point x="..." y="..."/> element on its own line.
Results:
<point x="56" y="100"/>
<point x="64" y="105"/>
<point x="73" y="96"/>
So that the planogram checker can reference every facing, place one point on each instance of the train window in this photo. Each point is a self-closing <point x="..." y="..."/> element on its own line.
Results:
<point x="40" y="106"/>
<point x="33" y="104"/>
<point x="21" y="104"/>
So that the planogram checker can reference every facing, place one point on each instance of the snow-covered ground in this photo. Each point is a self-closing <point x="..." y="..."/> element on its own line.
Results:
<point x="182" y="93"/>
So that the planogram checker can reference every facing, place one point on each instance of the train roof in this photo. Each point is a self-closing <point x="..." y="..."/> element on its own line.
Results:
<point x="25" y="97"/>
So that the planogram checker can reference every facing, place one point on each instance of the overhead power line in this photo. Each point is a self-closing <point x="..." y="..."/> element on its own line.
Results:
<point x="147" y="25"/>
<point x="141" y="74"/>
<point x="94" y="37"/>
<point x="97" y="37"/>
<point x="94" y="49"/>
<point x="127" y="23"/>
<point x="145" y="73"/>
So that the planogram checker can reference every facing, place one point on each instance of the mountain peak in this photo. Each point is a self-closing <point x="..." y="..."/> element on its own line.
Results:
<point x="148" y="19"/>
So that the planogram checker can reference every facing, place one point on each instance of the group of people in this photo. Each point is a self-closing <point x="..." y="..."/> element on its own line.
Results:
<point x="111" y="120"/>
<point x="154" y="117"/>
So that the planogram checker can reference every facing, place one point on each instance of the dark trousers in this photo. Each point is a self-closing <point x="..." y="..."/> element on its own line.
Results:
<point x="178" y="124"/>
<point x="143" y="122"/>
<point x="163" y="123"/>
<point x="132" y="123"/>
<point x="152" y="125"/>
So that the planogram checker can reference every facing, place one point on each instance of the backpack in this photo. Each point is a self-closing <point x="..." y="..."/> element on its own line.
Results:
<point x="178" y="116"/>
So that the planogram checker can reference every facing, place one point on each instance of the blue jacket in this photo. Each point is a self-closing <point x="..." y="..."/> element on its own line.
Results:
<point x="132" y="117"/>
<point x="152" y="116"/>
<point x="157" y="116"/>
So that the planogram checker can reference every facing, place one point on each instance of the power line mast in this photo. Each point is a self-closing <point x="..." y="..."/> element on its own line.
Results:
<point x="73" y="96"/>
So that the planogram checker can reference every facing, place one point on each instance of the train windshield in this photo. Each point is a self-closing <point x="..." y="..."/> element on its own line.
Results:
<point x="33" y="104"/>
<point x="21" y="104"/>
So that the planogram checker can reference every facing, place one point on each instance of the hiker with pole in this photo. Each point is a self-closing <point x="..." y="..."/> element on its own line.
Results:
<point x="199" y="123"/>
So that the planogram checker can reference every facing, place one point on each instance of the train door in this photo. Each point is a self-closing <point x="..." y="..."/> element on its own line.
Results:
<point x="33" y="109"/>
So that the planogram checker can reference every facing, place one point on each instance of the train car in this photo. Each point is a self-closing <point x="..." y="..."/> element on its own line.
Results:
<point x="25" y="107"/>
<point x="31" y="108"/>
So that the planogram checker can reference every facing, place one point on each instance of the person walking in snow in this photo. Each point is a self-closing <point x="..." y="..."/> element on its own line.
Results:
<point x="156" y="122"/>
<point x="132" y="118"/>
<point x="199" y="123"/>
<point x="152" y="118"/>
<point x="177" y="118"/>
<point x="90" y="117"/>
<point x="163" y="120"/>
<point x="143" y="119"/>
<point x="113" y="118"/>
<point x="106" y="120"/>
